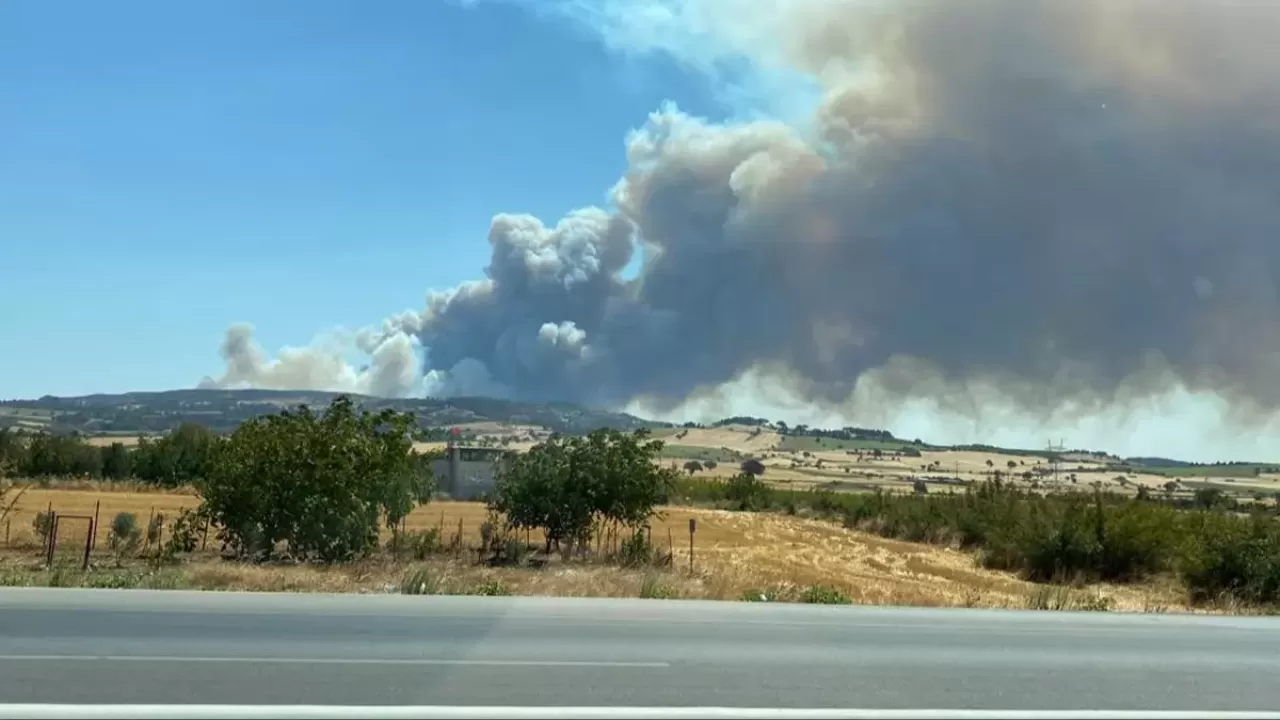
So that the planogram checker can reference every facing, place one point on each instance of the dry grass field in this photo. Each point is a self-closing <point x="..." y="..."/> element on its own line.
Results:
<point x="734" y="554"/>
<point x="829" y="464"/>
<point x="106" y="440"/>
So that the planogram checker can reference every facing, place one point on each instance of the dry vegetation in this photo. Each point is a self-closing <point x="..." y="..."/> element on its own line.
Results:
<point x="843" y="469"/>
<point x="832" y="465"/>
<point x="736" y="556"/>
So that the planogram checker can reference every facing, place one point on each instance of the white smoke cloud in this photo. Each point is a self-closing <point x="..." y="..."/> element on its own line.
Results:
<point x="394" y="370"/>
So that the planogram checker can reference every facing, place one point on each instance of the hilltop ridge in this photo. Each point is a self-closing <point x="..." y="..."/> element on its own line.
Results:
<point x="222" y="410"/>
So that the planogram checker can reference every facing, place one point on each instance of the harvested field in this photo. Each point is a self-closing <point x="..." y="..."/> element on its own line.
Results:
<point x="106" y="440"/>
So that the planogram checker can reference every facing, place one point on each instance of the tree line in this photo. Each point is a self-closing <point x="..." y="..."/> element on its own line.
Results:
<point x="175" y="459"/>
<point x="324" y="486"/>
<point x="178" y="458"/>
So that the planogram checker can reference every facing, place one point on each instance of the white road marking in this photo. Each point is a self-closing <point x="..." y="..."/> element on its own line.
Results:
<point x="464" y="712"/>
<point x="330" y="661"/>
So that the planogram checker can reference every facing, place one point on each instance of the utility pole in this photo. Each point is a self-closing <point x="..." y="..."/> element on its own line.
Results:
<point x="1055" y="458"/>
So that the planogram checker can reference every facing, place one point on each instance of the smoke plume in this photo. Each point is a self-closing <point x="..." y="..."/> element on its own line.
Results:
<point x="1064" y="204"/>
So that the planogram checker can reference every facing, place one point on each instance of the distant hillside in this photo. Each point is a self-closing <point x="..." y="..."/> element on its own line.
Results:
<point x="154" y="413"/>
<point x="223" y="410"/>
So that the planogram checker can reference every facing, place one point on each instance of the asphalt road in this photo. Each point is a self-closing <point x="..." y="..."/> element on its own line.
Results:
<point x="90" y="646"/>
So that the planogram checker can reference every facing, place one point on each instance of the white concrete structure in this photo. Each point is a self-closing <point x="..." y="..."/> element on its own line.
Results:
<point x="466" y="473"/>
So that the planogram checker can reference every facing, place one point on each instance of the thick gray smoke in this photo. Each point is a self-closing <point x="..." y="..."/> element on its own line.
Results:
<point x="1052" y="197"/>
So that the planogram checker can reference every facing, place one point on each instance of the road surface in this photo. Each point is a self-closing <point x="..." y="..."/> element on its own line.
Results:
<point x="169" y="647"/>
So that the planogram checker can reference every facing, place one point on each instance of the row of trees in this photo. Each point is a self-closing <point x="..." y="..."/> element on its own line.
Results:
<point x="179" y="458"/>
<point x="322" y="486"/>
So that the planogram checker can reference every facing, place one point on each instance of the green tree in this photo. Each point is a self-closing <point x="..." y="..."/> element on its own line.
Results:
<point x="318" y="483"/>
<point x="180" y="458"/>
<point x="50" y="455"/>
<point x="747" y="492"/>
<point x="125" y="536"/>
<point x="12" y="448"/>
<point x="566" y="486"/>
<point x="117" y="462"/>
<point x="1211" y="498"/>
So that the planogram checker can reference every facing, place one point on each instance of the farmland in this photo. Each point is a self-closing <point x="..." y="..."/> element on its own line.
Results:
<point x="820" y="512"/>
<point x="735" y="554"/>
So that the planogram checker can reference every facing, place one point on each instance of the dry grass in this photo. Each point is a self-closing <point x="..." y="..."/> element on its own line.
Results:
<point x="734" y="553"/>
<point x="107" y="440"/>
<point x="737" y="438"/>
<point x="107" y="503"/>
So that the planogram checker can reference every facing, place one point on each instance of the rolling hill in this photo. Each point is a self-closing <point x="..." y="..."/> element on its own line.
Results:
<point x="142" y="413"/>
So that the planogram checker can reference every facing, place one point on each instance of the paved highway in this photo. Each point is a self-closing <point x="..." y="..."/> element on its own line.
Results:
<point x="90" y="646"/>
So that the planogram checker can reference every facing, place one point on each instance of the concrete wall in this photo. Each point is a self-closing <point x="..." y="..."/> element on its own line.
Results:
<point x="467" y="473"/>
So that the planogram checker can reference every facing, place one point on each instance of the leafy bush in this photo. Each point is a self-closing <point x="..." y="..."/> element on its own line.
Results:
<point x="567" y="486"/>
<point x="419" y="544"/>
<point x="499" y="545"/>
<point x="42" y="525"/>
<point x="155" y="528"/>
<point x="1235" y="559"/>
<point x="638" y="551"/>
<point x="183" y="536"/>
<point x="318" y="483"/>
<point x="125" y="536"/>
<point x="748" y="492"/>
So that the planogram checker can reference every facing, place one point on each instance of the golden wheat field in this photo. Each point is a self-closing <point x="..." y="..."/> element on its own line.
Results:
<point x="733" y="554"/>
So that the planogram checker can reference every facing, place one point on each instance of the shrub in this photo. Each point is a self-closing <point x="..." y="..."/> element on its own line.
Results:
<point x="823" y="595"/>
<point x="184" y="534"/>
<point x="125" y="536"/>
<point x="747" y="492"/>
<point x="1057" y="538"/>
<point x="155" y="528"/>
<point x="321" y="484"/>
<point x="419" y="581"/>
<point x="652" y="588"/>
<point x="567" y="486"/>
<point x="1233" y="558"/>
<point x="492" y="588"/>
<point x="42" y="525"/>
<point x="420" y="544"/>
<point x="636" y="551"/>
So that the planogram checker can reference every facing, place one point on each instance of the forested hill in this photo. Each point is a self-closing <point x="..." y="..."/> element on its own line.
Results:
<point x="223" y="410"/>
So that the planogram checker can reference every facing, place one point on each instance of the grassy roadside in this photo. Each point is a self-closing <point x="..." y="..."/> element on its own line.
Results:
<point x="453" y="577"/>
<point x="737" y="556"/>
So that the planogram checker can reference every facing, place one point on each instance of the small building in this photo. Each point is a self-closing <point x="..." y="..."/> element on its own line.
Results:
<point x="467" y="473"/>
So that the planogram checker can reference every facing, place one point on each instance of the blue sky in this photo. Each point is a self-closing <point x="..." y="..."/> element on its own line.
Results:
<point x="168" y="168"/>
